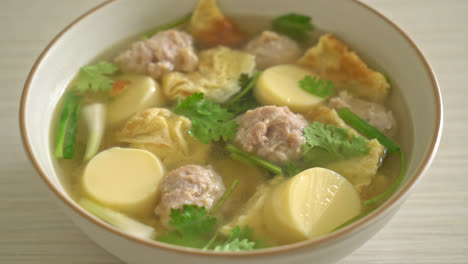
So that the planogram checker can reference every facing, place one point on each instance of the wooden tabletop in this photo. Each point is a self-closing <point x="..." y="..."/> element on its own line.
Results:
<point x="431" y="227"/>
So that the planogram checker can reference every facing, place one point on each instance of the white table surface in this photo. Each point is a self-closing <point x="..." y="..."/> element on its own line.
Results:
<point x="432" y="226"/>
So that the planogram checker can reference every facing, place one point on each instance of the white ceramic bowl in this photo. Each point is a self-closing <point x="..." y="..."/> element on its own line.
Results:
<point x="376" y="39"/>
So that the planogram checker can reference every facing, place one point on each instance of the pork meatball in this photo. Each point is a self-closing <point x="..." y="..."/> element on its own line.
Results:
<point x="165" y="52"/>
<point x="189" y="184"/>
<point x="271" y="49"/>
<point x="272" y="132"/>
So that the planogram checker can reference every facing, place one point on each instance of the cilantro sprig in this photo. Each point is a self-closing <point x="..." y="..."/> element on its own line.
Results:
<point x="210" y="121"/>
<point x="238" y="240"/>
<point x="244" y="100"/>
<point x="291" y="169"/>
<point x="332" y="142"/>
<point x="295" y="26"/>
<point x="193" y="227"/>
<point x="239" y="154"/>
<point x="96" y="77"/>
<point x="197" y="228"/>
<point x="316" y="86"/>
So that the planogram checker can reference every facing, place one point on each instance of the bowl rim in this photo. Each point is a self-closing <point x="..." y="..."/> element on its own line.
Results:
<point x="429" y="156"/>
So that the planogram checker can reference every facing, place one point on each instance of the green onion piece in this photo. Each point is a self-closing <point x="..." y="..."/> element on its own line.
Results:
<point x="354" y="219"/>
<point x="119" y="220"/>
<point x="367" y="130"/>
<point x="95" y="118"/>
<point x="68" y="126"/>
<point x="244" y="156"/>
<point x="387" y="78"/>
<point x="178" y="22"/>
<point x="225" y="196"/>
<point x="381" y="197"/>
<point x="70" y="136"/>
<point x="62" y="126"/>
<point x="247" y="89"/>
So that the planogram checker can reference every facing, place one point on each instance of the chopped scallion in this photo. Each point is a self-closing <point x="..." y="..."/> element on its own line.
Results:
<point x="68" y="127"/>
<point x="367" y="130"/>
<point x="225" y="196"/>
<point x="371" y="132"/>
<point x="247" y="88"/>
<point x="252" y="159"/>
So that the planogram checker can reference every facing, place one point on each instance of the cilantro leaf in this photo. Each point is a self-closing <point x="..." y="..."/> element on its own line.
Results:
<point x="291" y="169"/>
<point x="237" y="241"/>
<point x="95" y="77"/>
<point x="210" y="121"/>
<point x="244" y="79"/>
<point x="245" y="103"/>
<point x="192" y="227"/>
<point x="293" y="25"/>
<point x="192" y="220"/>
<point x="316" y="86"/>
<point x="244" y="100"/>
<point x="387" y="78"/>
<point x="333" y="141"/>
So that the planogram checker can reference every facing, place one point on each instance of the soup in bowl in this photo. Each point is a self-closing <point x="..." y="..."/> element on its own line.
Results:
<point x="227" y="133"/>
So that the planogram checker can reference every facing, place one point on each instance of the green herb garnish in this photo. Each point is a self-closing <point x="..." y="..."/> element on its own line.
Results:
<point x="96" y="77"/>
<point x="243" y="156"/>
<point x="225" y="196"/>
<point x="245" y="80"/>
<point x="244" y="100"/>
<point x="238" y="240"/>
<point x="371" y="132"/>
<point x="367" y="130"/>
<point x="387" y="78"/>
<point x="317" y="86"/>
<point x="178" y="22"/>
<point x="336" y="141"/>
<point x="68" y="127"/>
<point x="291" y="169"/>
<point x="293" y="25"/>
<point x="210" y="121"/>
<point x="193" y="227"/>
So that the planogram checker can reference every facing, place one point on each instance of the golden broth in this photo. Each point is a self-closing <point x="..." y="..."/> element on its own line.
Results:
<point x="71" y="171"/>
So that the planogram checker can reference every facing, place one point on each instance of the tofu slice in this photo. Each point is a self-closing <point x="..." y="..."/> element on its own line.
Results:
<point x="332" y="60"/>
<point x="311" y="204"/>
<point x="251" y="214"/>
<point x="124" y="179"/>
